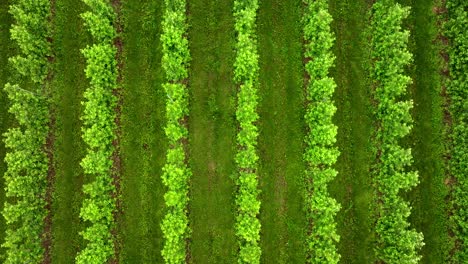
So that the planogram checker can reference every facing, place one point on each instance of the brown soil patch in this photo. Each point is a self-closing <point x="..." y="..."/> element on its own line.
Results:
<point x="49" y="149"/>
<point x="116" y="157"/>
<point x="47" y="233"/>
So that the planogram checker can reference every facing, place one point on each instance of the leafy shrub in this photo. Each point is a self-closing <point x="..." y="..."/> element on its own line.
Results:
<point x="27" y="161"/>
<point x="176" y="174"/>
<point x="31" y="32"/>
<point x="25" y="178"/>
<point x="457" y="89"/>
<point x="246" y="74"/>
<point x="99" y="133"/>
<point x="320" y="154"/>
<point x="396" y="243"/>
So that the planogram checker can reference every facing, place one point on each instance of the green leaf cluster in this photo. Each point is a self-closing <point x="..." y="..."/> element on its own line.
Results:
<point x="176" y="174"/>
<point x="27" y="161"/>
<point x="176" y="54"/>
<point x="457" y="89"/>
<point x="320" y="153"/>
<point x="32" y="32"/>
<point x="25" y="178"/>
<point x="396" y="241"/>
<point x="246" y="75"/>
<point x="99" y="133"/>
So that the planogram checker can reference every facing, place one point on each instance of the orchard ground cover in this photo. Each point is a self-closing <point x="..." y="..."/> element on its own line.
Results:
<point x="282" y="131"/>
<point x="429" y="213"/>
<point x="212" y="131"/>
<point x="69" y="84"/>
<point x="352" y="187"/>
<point x="143" y="143"/>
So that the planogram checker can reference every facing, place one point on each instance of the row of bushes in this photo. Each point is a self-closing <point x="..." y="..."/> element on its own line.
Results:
<point x="27" y="161"/>
<point x="320" y="153"/>
<point x="31" y="32"/>
<point x="396" y="241"/>
<point x="99" y="133"/>
<point x="457" y="88"/>
<point x="176" y="174"/>
<point x="26" y="176"/>
<point x="246" y="75"/>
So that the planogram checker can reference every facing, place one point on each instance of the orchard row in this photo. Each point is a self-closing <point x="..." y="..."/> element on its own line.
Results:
<point x="29" y="157"/>
<point x="457" y="89"/>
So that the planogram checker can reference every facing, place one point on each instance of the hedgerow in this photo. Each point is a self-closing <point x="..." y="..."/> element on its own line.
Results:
<point x="320" y="153"/>
<point x="246" y="75"/>
<point x="25" y="178"/>
<point x="396" y="242"/>
<point x="99" y="133"/>
<point x="457" y="89"/>
<point x="31" y="32"/>
<point x="27" y="161"/>
<point x="176" y="174"/>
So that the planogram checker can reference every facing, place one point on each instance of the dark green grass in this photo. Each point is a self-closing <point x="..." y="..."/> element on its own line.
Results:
<point x="212" y="131"/>
<point x="352" y="187"/>
<point x="68" y="85"/>
<point x="426" y="140"/>
<point x="143" y="143"/>
<point x="5" y="117"/>
<point x="282" y="131"/>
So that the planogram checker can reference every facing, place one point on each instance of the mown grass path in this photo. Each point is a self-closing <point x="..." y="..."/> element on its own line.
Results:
<point x="282" y="131"/>
<point x="426" y="140"/>
<point x="143" y="142"/>
<point x="352" y="187"/>
<point x="68" y="85"/>
<point x="212" y="131"/>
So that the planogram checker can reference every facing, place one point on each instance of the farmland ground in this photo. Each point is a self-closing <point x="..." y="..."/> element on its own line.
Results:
<point x="6" y="51"/>
<point x="428" y="198"/>
<point x="282" y="131"/>
<point x="143" y="143"/>
<point x="212" y="131"/>
<point x="352" y="187"/>
<point x="68" y="85"/>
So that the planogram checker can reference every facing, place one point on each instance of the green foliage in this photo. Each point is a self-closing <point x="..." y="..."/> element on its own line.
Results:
<point x="25" y="178"/>
<point x="176" y="55"/>
<point x="27" y="161"/>
<point x="246" y="74"/>
<point x="99" y="20"/>
<point x="176" y="174"/>
<point x="31" y="32"/>
<point x="99" y="133"/>
<point x="457" y="89"/>
<point x="397" y="243"/>
<point x="320" y="153"/>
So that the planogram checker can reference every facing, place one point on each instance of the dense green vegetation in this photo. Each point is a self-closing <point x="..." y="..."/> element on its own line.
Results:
<point x="27" y="161"/>
<point x="26" y="176"/>
<point x="246" y="75"/>
<point x="99" y="133"/>
<point x="320" y="153"/>
<point x="31" y="32"/>
<point x="396" y="243"/>
<point x="457" y="90"/>
<point x="175" y="61"/>
<point x="192" y="131"/>
<point x="5" y="118"/>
